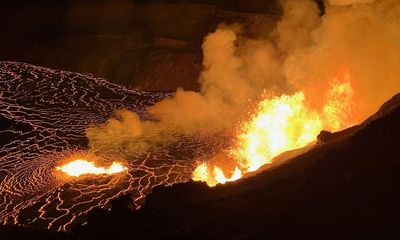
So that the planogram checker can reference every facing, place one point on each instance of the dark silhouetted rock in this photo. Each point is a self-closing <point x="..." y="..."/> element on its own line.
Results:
<point x="19" y="232"/>
<point x="324" y="137"/>
<point x="122" y="205"/>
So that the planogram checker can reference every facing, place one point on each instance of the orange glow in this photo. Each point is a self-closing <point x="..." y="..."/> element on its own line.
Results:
<point x="280" y="124"/>
<point x="339" y="108"/>
<point x="80" y="167"/>
<point x="202" y="173"/>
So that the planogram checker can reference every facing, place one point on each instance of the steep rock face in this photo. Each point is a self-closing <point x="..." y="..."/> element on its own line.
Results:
<point x="344" y="188"/>
<point x="163" y="69"/>
<point x="148" y="45"/>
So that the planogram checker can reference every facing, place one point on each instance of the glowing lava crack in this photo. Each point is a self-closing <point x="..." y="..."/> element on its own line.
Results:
<point x="82" y="167"/>
<point x="43" y="117"/>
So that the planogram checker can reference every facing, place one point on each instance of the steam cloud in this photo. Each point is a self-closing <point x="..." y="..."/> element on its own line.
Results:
<point x="348" y="2"/>
<point x="303" y="52"/>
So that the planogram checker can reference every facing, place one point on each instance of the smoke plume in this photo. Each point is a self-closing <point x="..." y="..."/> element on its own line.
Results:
<point x="305" y="51"/>
<point x="348" y="2"/>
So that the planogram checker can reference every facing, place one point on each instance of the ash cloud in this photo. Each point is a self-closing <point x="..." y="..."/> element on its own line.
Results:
<point x="303" y="52"/>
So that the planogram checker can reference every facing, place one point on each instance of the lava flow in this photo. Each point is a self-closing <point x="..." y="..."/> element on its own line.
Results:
<point x="280" y="124"/>
<point x="81" y="167"/>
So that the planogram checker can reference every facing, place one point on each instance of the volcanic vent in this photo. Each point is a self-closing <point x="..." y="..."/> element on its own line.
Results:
<point x="273" y="90"/>
<point x="73" y="142"/>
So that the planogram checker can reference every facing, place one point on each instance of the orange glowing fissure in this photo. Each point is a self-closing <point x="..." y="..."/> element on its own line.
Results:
<point x="80" y="167"/>
<point x="280" y="124"/>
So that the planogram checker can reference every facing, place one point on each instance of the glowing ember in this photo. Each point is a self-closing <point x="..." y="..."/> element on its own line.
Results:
<point x="338" y="110"/>
<point x="281" y="124"/>
<point x="80" y="167"/>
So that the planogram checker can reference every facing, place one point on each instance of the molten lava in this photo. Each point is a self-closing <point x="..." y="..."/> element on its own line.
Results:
<point x="280" y="124"/>
<point x="202" y="173"/>
<point x="80" y="167"/>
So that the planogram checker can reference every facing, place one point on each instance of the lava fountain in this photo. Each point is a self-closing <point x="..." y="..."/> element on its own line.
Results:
<point x="280" y="124"/>
<point x="80" y="167"/>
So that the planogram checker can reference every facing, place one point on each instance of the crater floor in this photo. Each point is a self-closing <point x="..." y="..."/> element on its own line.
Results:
<point x="43" y="116"/>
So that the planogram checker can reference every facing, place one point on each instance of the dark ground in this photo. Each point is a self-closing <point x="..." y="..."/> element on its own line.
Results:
<point x="344" y="188"/>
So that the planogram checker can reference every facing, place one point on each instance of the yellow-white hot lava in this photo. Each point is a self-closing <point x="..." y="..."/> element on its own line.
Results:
<point x="280" y="124"/>
<point x="80" y="167"/>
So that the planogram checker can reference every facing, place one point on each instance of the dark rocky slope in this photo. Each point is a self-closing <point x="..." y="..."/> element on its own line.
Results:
<point x="347" y="188"/>
<point x="150" y="45"/>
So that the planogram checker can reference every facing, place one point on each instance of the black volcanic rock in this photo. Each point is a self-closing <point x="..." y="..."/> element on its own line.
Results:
<point x="346" y="188"/>
<point x="324" y="137"/>
<point x="17" y="233"/>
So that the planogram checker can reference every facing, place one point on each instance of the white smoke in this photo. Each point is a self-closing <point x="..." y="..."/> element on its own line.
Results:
<point x="303" y="52"/>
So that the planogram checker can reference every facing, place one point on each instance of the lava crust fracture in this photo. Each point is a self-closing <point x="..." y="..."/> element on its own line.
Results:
<point x="43" y="116"/>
